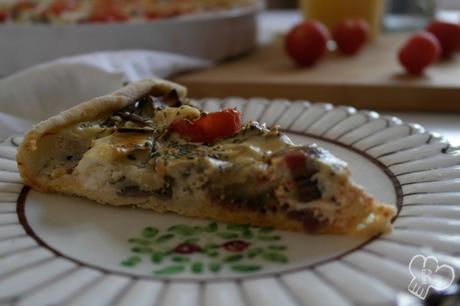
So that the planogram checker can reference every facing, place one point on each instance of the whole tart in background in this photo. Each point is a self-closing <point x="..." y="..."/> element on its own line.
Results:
<point x="102" y="11"/>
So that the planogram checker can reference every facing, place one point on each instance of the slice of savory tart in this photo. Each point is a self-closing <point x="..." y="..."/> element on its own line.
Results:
<point x="143" y="145"/>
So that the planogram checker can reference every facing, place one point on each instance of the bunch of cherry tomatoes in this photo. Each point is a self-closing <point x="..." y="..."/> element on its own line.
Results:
<point x="306" y="43"/>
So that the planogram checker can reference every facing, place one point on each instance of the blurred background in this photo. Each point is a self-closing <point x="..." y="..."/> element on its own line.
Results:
<point x="399" y="14"/>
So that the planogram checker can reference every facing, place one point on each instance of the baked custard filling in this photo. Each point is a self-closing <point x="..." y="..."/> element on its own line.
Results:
<point x="257" y="168"/>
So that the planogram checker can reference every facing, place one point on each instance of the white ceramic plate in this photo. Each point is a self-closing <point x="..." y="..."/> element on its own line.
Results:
<point x="65" y="250"/>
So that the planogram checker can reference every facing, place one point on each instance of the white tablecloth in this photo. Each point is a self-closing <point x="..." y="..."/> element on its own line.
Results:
<point x="37" y="93"/>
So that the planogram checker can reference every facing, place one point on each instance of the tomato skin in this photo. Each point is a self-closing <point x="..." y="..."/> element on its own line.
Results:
<point x="108" y="16"/>
<point x="209" y="127"/>
<point x="3" y="17"/>
<point x="420" y="51"/>
<point x="106" y="11"/>
<point x="152" y="16"/>
<point x="22" y="5"/>
<point x="448" y="35"/>
<point x="220" y="124"/>
<point x="351" y="35"/>
<point x="296" y="161"/>
<point x="60" y="6"/>
<point x="306" y="43"/>
<point x="188" y="130"/>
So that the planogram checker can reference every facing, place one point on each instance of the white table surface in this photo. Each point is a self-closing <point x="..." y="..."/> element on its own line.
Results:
<point x="274" y="23"/>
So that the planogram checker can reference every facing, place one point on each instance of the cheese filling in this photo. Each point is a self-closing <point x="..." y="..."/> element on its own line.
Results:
<point x="133" y="153"/>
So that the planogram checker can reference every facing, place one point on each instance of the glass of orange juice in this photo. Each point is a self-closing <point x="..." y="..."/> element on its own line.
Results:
<point x="331" y="12"/>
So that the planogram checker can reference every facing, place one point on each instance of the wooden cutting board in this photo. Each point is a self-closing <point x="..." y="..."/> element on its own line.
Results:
<point x="373" y="79"/>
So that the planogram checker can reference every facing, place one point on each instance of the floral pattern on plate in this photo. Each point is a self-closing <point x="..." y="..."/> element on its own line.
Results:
<point x="210" y="247"/>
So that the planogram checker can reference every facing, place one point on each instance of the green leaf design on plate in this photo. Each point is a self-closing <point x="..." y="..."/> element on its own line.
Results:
<point x="245" y="268"/>
<point x="197" y="267"/>
<point x="276" y="247"/>
<point x="178" y="258"/>
<point x="211" y="250"/>
<point x="170" y="270"/>
<point x="274" y="257"/>
<point x="269" y="238"/>
<point x="142" y="250"/>
<point x="183" y="230"/>
<point x="211" y="227"/>
<point x="198" y="229"/>
<point x="164" y="238"/>
<point x="212" y="253"/>
<point x="157" y="257"/>
<point x="132" y="261"/>
<point x="228" y="235"/>
<point x="237" y="227"/>
<point x="191" y="240"/>
<point x="215" y="267"/>
<point x="266" y="230"/>
<point x="211" y="246"/>
<point x="233" y="258"/>
<point x="247" y="234"/>
<point x="141" y="242"/>
<point x="150" y="232"/>
<point x="252" y="253"/>
<point x="153" y="242"/>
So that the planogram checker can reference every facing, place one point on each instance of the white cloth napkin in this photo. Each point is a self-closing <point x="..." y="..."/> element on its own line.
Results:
<point x="37" y="93"/>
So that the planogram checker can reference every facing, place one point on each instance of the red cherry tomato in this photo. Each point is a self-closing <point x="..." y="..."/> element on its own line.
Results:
<point x="60" y="6"/>
<point x="188" y="130"/>
<point x="3" y="16"/>
<point x="209" y="127"/>
<point x="106" y="11"/>
<point x="220" y="124"/>
<point x="420" y="51"/>
<point x="23" y="6"/>
<point x="306" y="43"/>
<point x="111" y="15"/>
<point x="448" y="35"/>
<point x="350" y="35"/>
<point x="152" y="16"/>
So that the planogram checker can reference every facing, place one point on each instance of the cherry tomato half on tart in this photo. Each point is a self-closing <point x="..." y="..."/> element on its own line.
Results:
<point x="209" y="127"/>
